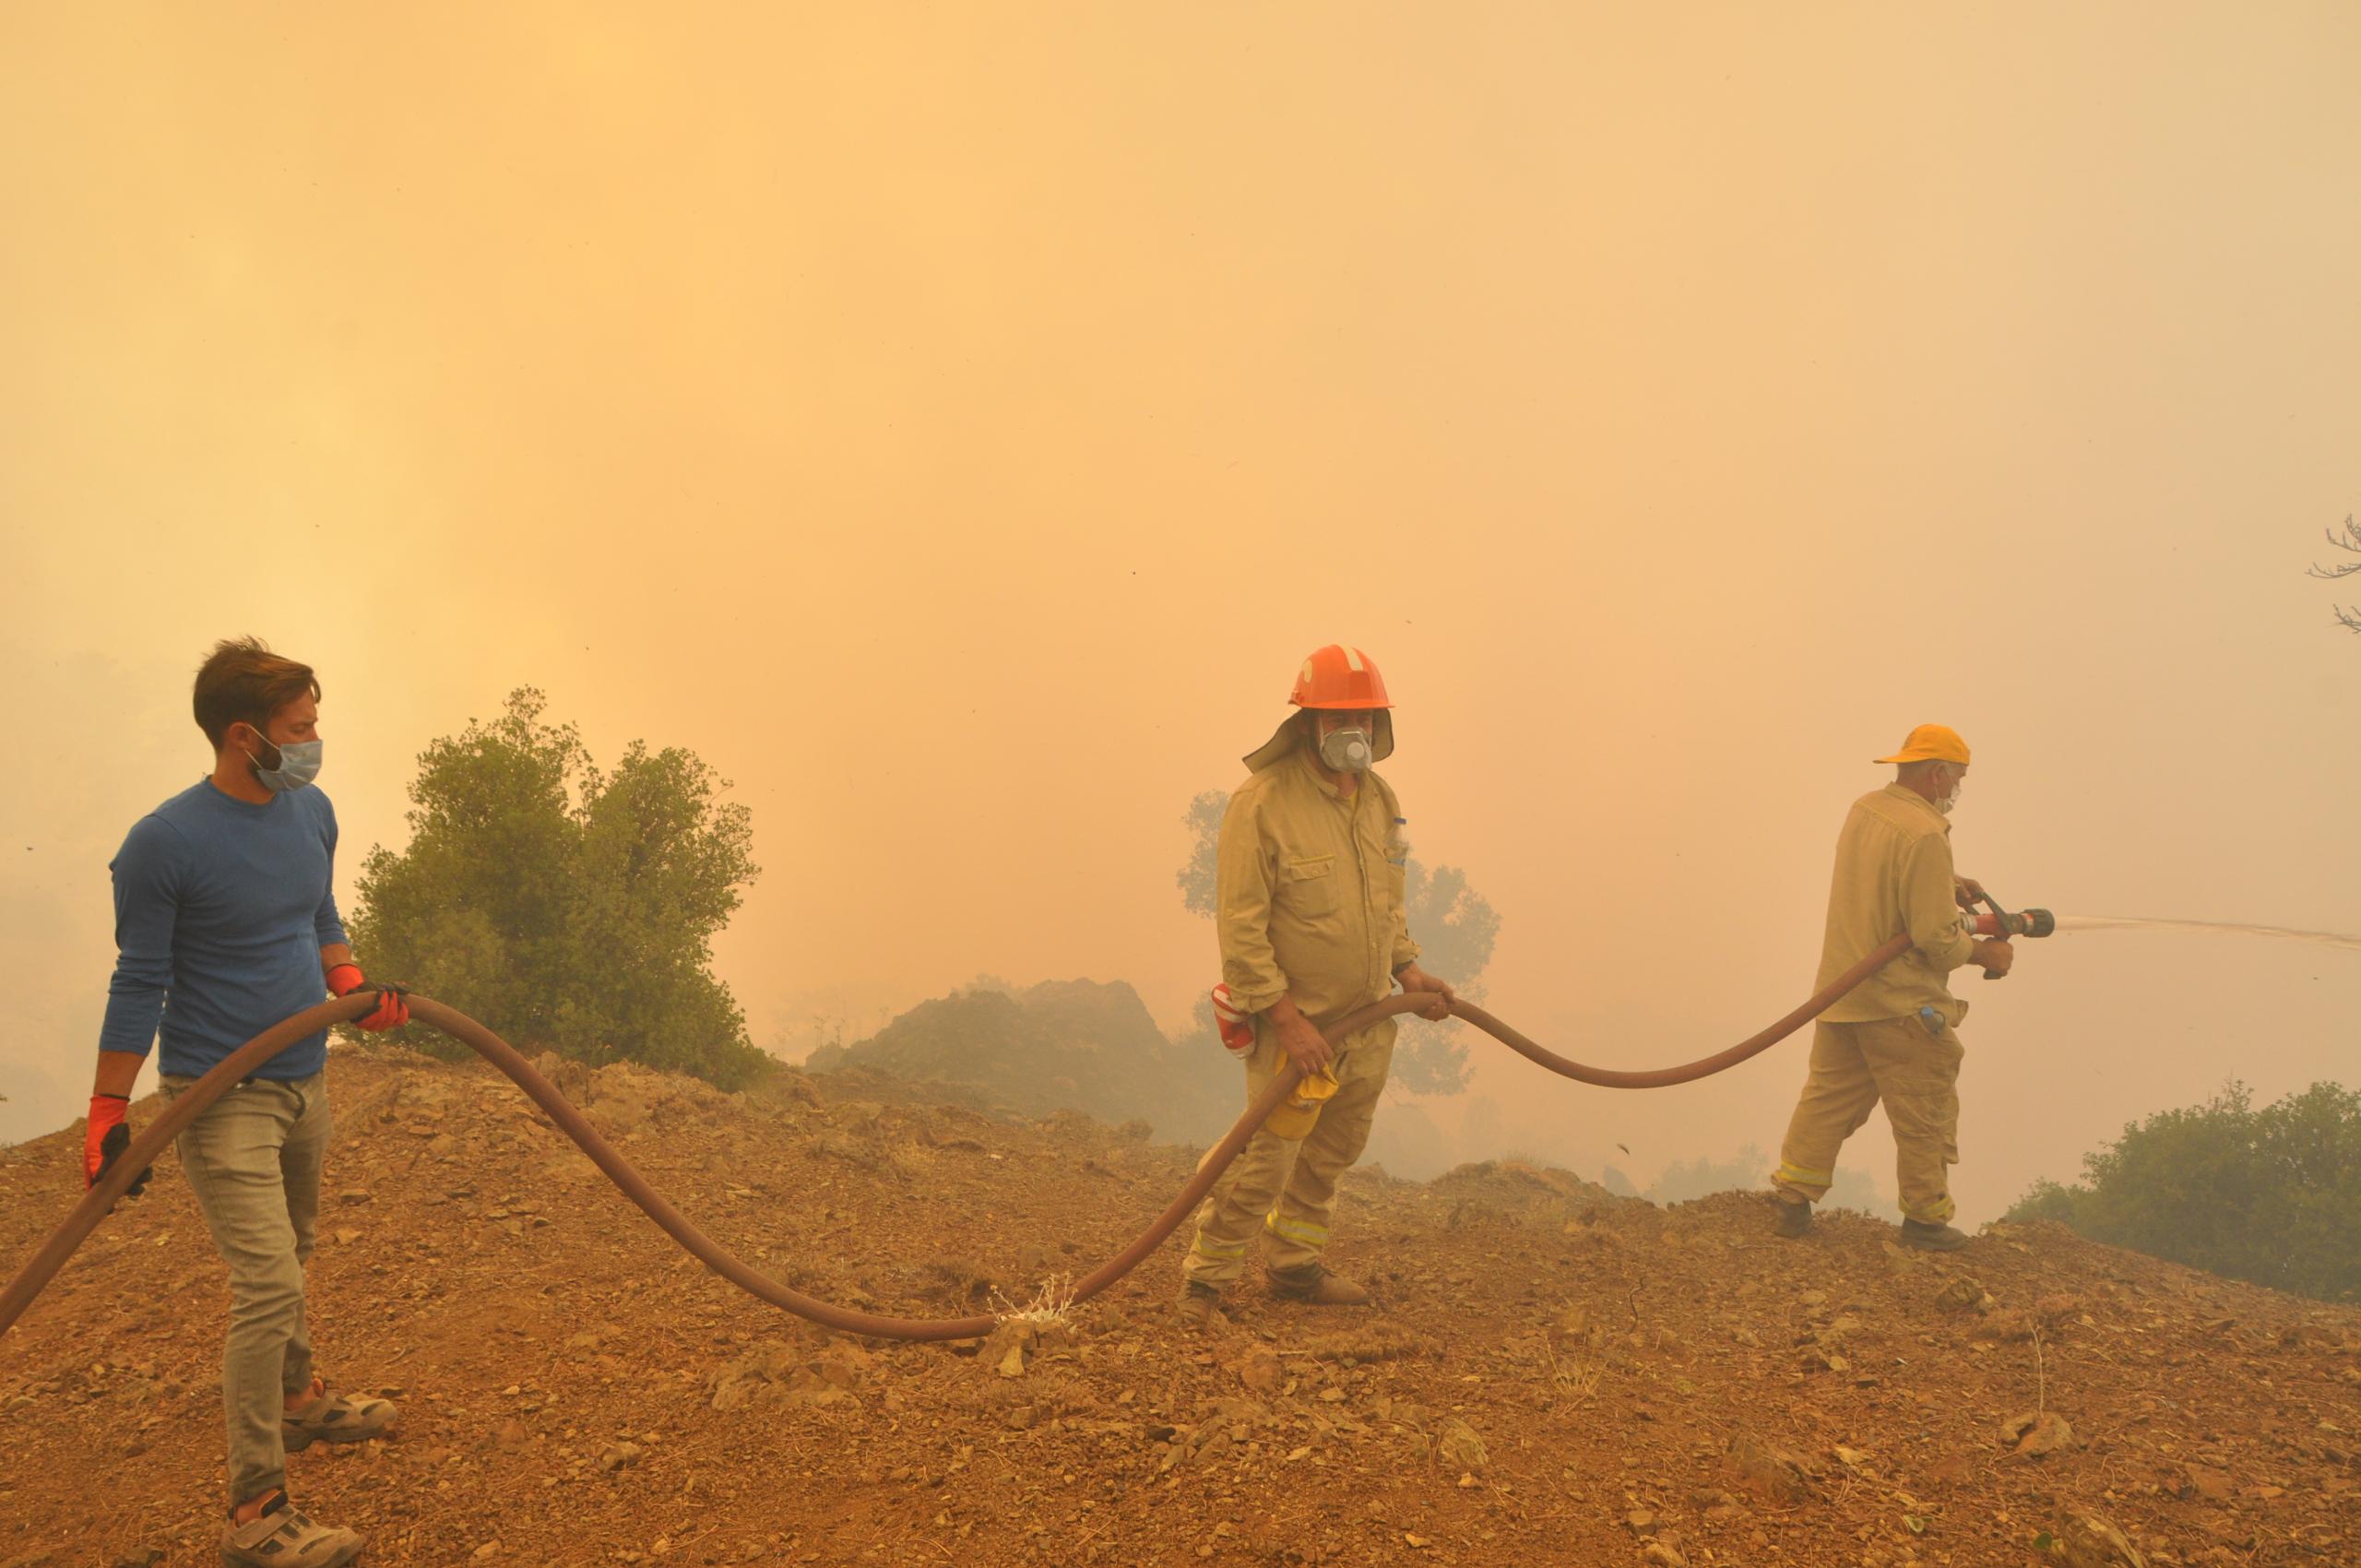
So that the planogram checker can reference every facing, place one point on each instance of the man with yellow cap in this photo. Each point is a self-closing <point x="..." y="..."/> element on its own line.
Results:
<point x="1895" y="1036"/>
<point x="1309" y="909"/>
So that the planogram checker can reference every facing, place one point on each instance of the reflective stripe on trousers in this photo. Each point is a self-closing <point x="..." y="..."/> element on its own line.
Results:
<point x="1854" y="1068"/>
<point x="1286" y="1190"/>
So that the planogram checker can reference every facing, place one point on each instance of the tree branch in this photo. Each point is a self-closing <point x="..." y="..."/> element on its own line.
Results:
<point x="2351" y="542"/>
<point x="2349" y="619"/>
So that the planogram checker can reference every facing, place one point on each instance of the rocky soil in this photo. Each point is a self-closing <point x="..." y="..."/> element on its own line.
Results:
<point x="1551" y="1374"/>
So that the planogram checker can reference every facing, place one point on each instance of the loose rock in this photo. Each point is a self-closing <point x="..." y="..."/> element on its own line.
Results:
<point x="1459" y="1447"/>
<point x="2083" y="1539"/>
<point x="2037" y="1434"/>
<point x="1772" y="1472"/>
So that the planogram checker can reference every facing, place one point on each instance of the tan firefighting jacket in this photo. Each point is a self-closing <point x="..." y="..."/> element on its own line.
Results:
<point x="1308" y="891"/>
<point x="1894" y="874"/>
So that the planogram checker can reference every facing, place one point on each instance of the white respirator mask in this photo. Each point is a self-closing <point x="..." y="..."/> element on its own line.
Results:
<point x="1347" y="751"/>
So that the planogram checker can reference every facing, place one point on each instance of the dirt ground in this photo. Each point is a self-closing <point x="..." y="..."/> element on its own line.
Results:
<point x="1551" y="1374"/>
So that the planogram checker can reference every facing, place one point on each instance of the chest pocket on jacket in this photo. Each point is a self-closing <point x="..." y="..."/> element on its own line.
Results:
<point x="1308" y="886"/>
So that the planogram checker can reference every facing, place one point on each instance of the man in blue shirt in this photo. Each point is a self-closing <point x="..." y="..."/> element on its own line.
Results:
<point x="225" y="924"/>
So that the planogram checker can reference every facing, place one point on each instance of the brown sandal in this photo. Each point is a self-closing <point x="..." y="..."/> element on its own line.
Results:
<point x="338" y="1417"/>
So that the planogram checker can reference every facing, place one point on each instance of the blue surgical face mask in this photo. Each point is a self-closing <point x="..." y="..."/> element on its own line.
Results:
<point x="298" y="764"/>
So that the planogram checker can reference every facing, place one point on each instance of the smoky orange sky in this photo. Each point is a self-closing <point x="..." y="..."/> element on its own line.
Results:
<point x="957" y="424"/>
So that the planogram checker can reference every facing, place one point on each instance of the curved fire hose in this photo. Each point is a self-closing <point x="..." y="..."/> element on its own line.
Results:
<point x="85" y="1215"/>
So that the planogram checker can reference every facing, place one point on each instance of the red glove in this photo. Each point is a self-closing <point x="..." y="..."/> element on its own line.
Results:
<point x="1235" y="1026"/>
<point x="393" y="1010"/>
<point x="106" y="1140"/>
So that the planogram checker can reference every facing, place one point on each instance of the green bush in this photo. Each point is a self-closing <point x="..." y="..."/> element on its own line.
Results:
<point x="565" y="907"/>
<point x="2270" y="1195"/>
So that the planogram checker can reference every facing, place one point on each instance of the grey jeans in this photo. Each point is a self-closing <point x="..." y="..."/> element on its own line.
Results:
<point x="253" y="1159"/>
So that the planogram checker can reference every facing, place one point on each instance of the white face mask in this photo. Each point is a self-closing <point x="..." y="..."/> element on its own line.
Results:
<point x="1347" y="751"/>
<point x="1950" y="802"/>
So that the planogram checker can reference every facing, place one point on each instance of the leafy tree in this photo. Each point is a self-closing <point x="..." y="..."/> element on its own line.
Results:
<point x="1454" y="925"/>
<point x="1196" y="874"/>
<point x="566" y="906"/>
<point x="2270" y="1195"/>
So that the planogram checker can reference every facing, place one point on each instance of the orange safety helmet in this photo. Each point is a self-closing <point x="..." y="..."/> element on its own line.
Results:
<point x="1338" y="676"/>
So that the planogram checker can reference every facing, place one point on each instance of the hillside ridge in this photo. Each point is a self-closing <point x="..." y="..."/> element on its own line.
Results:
<point x="1550" y="1374"/>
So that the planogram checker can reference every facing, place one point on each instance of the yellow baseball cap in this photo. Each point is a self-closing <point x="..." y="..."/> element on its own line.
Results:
<point x="1932" y="742"/>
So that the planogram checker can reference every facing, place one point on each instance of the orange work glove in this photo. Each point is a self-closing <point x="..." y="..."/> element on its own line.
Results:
<point x="393" y="1009"/>
<point x="106" y="1140"/>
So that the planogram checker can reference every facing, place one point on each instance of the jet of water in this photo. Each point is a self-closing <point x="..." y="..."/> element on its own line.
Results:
<point x="2126" y="923"/>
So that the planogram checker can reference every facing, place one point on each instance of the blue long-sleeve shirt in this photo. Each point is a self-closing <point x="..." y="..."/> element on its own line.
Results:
<point x="221" y="910"/>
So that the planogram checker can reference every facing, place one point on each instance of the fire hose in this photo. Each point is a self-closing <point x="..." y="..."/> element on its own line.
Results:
<point x="85" y="1215"/>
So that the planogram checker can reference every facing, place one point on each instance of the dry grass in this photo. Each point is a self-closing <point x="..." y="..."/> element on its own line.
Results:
<point x="1051" y="1306"/>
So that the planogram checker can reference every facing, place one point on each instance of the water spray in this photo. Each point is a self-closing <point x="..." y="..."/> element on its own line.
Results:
<point x="2071" y="924"/>
<point x="1996" y="922"/>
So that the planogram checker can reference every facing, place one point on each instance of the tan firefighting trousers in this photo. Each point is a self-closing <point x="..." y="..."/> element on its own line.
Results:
<point x="1853" y="1067"/>
<point x="1286" y="1188"/>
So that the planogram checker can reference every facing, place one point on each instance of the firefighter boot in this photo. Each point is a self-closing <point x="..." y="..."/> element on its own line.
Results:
<point x="1197" y="1306"/>
<point x="1931" y="1238"/>
<point x="1316" y="1286"/>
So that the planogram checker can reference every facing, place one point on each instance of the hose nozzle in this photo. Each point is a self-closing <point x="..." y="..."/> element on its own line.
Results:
<point x="2024" y="922"/>
<point x="2001" y="924"/>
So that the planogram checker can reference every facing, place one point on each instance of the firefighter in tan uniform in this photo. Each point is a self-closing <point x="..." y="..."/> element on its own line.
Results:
<point x="1309" y="888"/>
<point x="1894" y="1037"/>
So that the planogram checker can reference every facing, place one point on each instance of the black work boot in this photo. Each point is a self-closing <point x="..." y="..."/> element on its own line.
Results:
<point x="1932" y="1238"/>
<point x="1794" y="1216"/>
